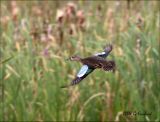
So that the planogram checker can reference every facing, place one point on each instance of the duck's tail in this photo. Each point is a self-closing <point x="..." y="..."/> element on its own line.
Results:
<point x="110" y="65"/>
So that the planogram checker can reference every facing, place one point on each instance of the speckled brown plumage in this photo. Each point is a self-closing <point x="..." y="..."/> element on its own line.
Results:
<point x="98" y="62"/>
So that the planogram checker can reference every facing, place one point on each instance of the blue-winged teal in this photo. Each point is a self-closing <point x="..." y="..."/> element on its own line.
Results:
<point x="92" y="63"/>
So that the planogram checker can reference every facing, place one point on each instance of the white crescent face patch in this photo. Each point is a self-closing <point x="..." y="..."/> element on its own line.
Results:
<point x="82" y="71"/>
<point x="102" y="53"/>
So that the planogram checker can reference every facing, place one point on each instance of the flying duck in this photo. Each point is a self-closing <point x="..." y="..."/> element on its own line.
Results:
<point x="97" y="61"/>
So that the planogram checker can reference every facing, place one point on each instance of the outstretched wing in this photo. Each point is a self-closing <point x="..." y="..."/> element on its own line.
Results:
<point x="78" y="79"/>
<point x="84" y="72"/>
<point x="105" y="53"/>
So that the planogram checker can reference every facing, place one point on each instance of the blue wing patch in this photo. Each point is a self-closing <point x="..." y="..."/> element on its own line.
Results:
<point x="82" y="71"/>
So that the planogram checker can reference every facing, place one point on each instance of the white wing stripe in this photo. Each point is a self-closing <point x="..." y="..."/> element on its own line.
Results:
<point x="102" y="53"/>
<point x="82" y="71"/>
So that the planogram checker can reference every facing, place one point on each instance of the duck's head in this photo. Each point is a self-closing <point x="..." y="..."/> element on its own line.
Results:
<point x="75" y="58"/>
<point x="108" y="49"/>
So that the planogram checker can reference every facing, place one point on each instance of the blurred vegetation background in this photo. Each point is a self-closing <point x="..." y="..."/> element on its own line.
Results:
<point x="36" y="38"/>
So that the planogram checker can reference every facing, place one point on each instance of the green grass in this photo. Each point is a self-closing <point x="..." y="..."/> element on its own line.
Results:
<point x="30" y="82"/>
